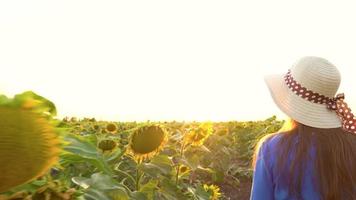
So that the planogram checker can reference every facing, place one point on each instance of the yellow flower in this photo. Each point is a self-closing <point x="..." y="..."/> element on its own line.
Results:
<point x="183" y="169"/>
<point x="147" y="141"/>
<point x="197" y="136"/>
<point x="213" y="190"/>
<point x="29" y="146"/>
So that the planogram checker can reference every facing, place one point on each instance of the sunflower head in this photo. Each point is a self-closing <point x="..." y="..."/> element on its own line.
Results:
<point x="107" y="145"/>
<point x="213" y="190"/>
<point x="197" y="136"/>
<point x="111" y="128"/>
<point x="96" y="127"/>
<point x="184" y="170"/>
<point x="29" y="145"/>
<point x="146" y="141"/>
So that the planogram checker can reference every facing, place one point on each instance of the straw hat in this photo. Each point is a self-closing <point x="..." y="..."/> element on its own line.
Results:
<point x="315" y="74"/>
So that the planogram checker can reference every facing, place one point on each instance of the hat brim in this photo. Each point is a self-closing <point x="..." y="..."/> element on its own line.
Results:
<point x="299" y="109"/>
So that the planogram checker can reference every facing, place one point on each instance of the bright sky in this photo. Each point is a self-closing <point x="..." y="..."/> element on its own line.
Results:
<point x="165" y="60"/>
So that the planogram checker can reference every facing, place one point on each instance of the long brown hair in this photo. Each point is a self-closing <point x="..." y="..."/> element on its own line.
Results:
<point x="334" y="164"/>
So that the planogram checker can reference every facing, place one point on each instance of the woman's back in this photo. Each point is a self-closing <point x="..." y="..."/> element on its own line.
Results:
<point x="316" y="157"/>
<point x="306" y="163"/>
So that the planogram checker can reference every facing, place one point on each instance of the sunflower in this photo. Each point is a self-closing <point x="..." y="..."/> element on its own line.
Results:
<point x="197" y="136"/>
<point x="96" y="127"/>
<point x="183" y="169"/>
<point x="147" y="141"/>
<point x="107" y="145"/>
<point x="111" y="128"/>
<point x="213" y="190"/>
<point x="30" y="103"/>
<point x="29" y="146"/>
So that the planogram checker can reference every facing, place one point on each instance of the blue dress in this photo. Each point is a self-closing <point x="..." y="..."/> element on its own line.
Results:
<point x="267" y="186"/>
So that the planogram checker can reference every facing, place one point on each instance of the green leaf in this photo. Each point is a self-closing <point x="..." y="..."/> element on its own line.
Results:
<point x="95" y="194"/>
<point x="4" y="100"/>
<point x="138" y="196"/>
<point x="30" y="187"/>
<point x="41" y="105"/>
<point x="170" y="191"/>
<point x="118" y="194"/>
<point x="79" y="146"/>
<point x="101" y="186"/>
<point x="39" y="183"/>
<point x="191" y="160"/>
<point x="200" y="194"/>
<point x="149" y="189"/>
<point x="87" y="153"/>
<point x="117" y="154"/>
<point x="82" y="182"/>
<point x="159" y="165"/>
<point x="103" y="182"/>
<point x="218" y="176"/>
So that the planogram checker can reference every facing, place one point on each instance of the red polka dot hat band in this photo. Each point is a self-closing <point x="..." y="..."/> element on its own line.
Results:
<point x="337" y="103"/>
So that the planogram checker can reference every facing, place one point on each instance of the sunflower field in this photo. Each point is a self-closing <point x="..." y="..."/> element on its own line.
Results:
<point x="43" y="157"/>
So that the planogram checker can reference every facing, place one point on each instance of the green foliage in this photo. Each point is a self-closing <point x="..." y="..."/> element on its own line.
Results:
<point x="223" y="157"/>
<point x="30" y="100"/>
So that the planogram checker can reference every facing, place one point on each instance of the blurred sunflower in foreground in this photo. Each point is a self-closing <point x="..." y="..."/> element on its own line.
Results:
<point x="213" y="190"/>
<point x="147" y="141"/>
<point x="198" y="135"/>
<point x="29" y="145"/>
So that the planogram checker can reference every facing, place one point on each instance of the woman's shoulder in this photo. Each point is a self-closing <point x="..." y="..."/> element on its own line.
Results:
<point x="270" y="146"/>
<point x="271" y="141"/>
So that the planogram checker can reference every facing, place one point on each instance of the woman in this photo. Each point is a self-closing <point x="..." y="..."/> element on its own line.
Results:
<point x="315" y="156"/>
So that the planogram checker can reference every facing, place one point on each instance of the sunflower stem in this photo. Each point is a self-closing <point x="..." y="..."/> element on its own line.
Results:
<point x="138" y="176"/>
<point x="137" y="180"/>
<point x="177" y="175"/>
<point x="178" y="166"/>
